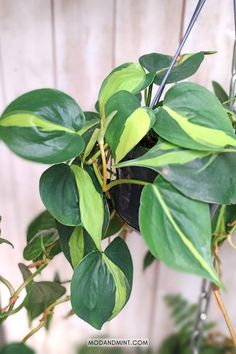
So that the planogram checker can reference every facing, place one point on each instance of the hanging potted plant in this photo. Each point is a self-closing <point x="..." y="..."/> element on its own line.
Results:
<point x="158" y="165"/>
<point x="192" y="151"/>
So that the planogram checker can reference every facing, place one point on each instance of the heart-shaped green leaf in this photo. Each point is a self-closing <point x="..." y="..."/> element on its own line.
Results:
<point x="186" y="66"/>
<point x="178" y="236"/>
<point x="90" y="204"/>
<point x="129" y="125"/>
<point x="129" y="77"/>
<point x="42" y="126"/>
<point x="101" y="284"/>
<point x="192" y="117"/>
<point x="192" y="171"/>
<point x="59" y="194"/>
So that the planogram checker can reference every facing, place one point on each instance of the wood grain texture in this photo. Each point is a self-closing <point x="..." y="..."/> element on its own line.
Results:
<point x="26" y="50"/>
<point x="72" y="45"/>
<point x="83" y="37"/>
<point x="141" y="28"/>
<point x="214" y="30"/>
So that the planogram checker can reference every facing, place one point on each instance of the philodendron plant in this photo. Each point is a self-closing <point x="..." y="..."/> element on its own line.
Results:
<point x="185" y="210"/>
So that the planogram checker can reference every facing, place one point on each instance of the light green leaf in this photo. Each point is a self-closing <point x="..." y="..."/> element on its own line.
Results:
<point x="76" y="244"/>
<point x="101" y="284"/>
<point x="90" y="204"/>
<point x="129" y="77"/>
<point x="180" y="237"/>
<point x="192" y="117"/>
<point x="77" y="247"/>
<point x="42" y="126"/>
<point x="130" y="124"/>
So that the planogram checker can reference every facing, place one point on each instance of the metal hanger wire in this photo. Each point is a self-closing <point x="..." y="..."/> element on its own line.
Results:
<point x="185" y="37"/>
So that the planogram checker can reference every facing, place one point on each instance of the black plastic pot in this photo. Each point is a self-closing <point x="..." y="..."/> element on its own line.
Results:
<point x="126" y="197"/>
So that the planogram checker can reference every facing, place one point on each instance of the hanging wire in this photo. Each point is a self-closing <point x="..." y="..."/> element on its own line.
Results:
<point x="203" y="306"/>
<point x="186" y="34"/>
<point x="232" y="92"/>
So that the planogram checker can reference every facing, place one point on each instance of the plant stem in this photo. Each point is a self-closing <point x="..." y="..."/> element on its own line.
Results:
<point x="29" y="280"/>
<point x="104" y="166"/>
<point x="36" y="264"/>
<point x="225" y="313"/>
<point x="97" y="173"/>
<point x="95" y="156"/>
<point x="125" y="180"/>
<point x="34" y="330"/>
<point x="8" y="285"/>
<point x="43" y="320"/>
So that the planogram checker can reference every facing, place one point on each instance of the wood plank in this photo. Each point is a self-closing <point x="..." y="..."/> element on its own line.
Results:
<point x="144" y="26"/>
<point x="83" y="35"/>
<point x="214" y="30"/>
<point x="27" y="64"/>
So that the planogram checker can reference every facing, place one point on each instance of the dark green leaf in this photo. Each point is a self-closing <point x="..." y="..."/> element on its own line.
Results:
<point x="154" y="62"/>
<point x="115" y="226"/>
<point x="16" y="348"/>
<point x="186" y="66"/>
<point x="59" y="194"/>
<point x="39" y="243"/>
<point x="43" y="221"/>
<point x="101" y="284"/>
<point x="220" y="92"/>
<point x="42" y="294"/>
<point x="64" y="237"/>
<point x="178" y="236"/>
<point x="148" y="260"/>
<point x="42" y="126"/>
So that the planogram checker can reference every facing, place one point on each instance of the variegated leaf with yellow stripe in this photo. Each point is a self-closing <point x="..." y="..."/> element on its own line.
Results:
<point x="201" y="175"/>
<point x="130" y="77"/>
<point x="43" y="126"/>
<point x="192" y="117"/>
<point x="129" y="125"/>
<point x="91" y="204"/>
<point x="101" y="284"/>
<point x="180" y="237"/>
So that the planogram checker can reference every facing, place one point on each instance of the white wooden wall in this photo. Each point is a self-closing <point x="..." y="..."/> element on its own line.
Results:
<point x="72" y="45"/>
